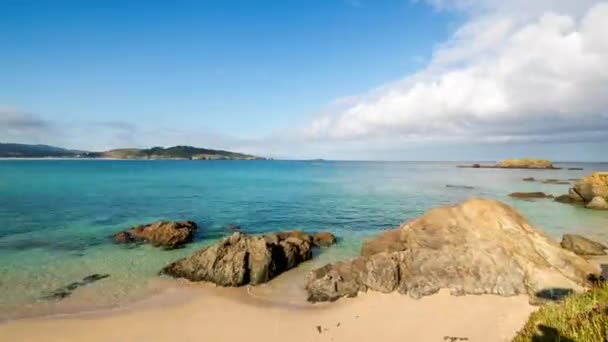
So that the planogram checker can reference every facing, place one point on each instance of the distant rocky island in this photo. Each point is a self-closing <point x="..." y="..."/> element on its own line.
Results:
<point x="524" y="163"/>
<point x="10" y="150"/>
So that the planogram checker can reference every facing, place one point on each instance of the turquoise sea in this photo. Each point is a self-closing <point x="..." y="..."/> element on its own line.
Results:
<point x="56" y="215"/>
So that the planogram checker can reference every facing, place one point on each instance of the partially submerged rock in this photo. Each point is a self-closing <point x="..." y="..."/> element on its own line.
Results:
<point x="530" y="195"/>
<point x="592" y="186"/>
<point x="529" y="179"/>
<point x="242" y="259"/>
<point x="556" y="181"/>
<point x="480" y="246"/>
<point x="67" y="290"/>
<point x="582" y="245"/>
<point x="167" y="234"/>
<point x="592" y="191"/>
<point x="525" y="163"/>
<point x="465" y="187"/>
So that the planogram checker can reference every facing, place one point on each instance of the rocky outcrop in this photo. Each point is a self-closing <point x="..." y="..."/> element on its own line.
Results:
<point x="480" y="246"/>
<point x="592" y="191"/>
<point x="242" y="259"/>
<point x="592" y="186"/>
<point x="530" y="195"/>
<point x="525" y="163"/>
<point x="167" y="234"/>
<point x="582" y="245"/>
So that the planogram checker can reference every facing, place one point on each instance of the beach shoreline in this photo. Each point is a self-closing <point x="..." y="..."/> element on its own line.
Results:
<point x="188" y="312"/>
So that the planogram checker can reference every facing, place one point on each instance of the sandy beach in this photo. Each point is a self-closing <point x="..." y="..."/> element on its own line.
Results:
<point x="208" y="314"/>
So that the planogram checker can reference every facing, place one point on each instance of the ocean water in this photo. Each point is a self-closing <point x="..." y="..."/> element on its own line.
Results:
<point x="56" y="215"/>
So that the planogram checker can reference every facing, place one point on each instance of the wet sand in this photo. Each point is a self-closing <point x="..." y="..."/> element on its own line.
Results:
<point x="203" y="313"/>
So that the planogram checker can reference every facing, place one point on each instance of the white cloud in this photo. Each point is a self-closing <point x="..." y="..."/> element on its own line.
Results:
<point x="502" y="77"/>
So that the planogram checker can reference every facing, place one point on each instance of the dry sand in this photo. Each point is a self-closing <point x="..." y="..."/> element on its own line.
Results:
<point x="232" y="315"/>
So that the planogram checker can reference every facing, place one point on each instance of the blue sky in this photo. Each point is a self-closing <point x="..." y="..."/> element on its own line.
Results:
<point x="283" y="78"/>
<point x="234" y="66"/>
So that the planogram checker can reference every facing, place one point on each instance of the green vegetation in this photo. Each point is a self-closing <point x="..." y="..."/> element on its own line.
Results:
<point x="579" y="317"/>
<point x="175" y="152"/>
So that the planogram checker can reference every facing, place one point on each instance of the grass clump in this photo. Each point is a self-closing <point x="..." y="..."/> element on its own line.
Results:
<point x="581" y="317"/>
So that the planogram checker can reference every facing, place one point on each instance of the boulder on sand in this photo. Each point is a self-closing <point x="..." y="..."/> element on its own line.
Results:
<point x="582" y="246"/>
<point x="167" y="234"/>
<point x="480" y="246"/>
<point x="242" y="259"/>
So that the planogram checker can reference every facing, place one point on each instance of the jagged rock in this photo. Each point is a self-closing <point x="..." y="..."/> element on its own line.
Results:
<point x="480" y="246"/>
<point x="582" y="245"/>
<point x="167" y="234"/>
<point x="592" y="186"/>
<point x="598" y="203"/>
<point x="530" y="195"/>
<point x="242" y="259"/>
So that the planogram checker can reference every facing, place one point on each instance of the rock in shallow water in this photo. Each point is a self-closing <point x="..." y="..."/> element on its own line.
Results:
<point x="478" y="247"/>
<point x="242" y="259"/>
<point x="167" y="234"/>
<point x="598" y="203"/>
<point x="530" y="195"/>
<point x="67" y="290"/>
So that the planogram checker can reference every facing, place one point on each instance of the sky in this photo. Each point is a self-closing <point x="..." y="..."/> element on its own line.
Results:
<point x="333" y="79"/>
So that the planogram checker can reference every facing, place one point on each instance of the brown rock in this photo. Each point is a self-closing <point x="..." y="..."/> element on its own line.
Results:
<point x="529" y="179"/>
<point x="242" y="259"/>
<point x="324" y="239"/>
<point x="477" y="247"/>
<point x="556" y="181"/>
<point x="387" y="241"/>
<point x="167" y="234"/>
<point x="582" y="246"/>
<point x="525" y="163"/>
<point x="592" y="186"/>
<point x="530" y="195"/>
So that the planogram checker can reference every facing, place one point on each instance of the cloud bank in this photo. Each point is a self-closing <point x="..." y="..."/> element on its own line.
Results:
<point x="502" y="77"/>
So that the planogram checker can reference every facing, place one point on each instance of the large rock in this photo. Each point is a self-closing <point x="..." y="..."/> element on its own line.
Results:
<point x="167" y="234"/>
<point x="480" y="246"/>
<point x="598" y="203"/>
<point x="242" y="259"/>
<point x="592" y="186"/>
<point x="582" y="246"/>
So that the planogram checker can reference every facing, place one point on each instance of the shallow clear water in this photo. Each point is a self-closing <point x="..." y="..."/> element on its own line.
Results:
<point x="56" y="215"/>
